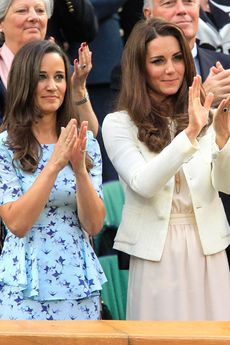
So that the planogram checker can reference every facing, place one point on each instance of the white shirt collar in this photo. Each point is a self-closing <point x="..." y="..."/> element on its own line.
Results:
<point x="194" y="51"/>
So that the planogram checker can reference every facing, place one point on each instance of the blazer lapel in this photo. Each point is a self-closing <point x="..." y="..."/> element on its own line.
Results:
<point x="2" y="99"/>
<point x="205" y="61"/>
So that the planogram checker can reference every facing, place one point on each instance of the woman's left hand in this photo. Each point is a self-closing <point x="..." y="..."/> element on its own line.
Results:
<point x="221" y="122"/>
<point x="198" y="113"/>
<point x="82" y="67"/>
<point x="79" y="150"/>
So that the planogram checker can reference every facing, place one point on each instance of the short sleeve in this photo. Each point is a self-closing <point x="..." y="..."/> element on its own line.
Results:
<point x="93" y="150"/>
<point x="10" y="188"/>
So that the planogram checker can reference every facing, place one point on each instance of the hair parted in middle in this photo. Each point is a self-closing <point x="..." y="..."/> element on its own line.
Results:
<point x="150" y="116"/>
<point x="21" y="110"/>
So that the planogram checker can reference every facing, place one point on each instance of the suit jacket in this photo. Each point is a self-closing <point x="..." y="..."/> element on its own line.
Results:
<point x="73" y="21"/>
<point x="131" y="12"/>
<point x="107" y="47"/>
<point x="208" y="58"/>
<point x="2" y="99"/>
<point x="214" y="27"/>
<point x="148" y="180"/>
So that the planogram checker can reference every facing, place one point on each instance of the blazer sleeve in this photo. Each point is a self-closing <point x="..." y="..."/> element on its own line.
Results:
<point x="221" y="169"/>
<point x="145" y="176"/>
<point x="76" y="19"/>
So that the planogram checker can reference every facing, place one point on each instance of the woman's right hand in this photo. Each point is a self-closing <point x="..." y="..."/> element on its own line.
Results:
<point x="64" y="146"/>
<point x="198" y="113"/>
<point x="82" y="67"/>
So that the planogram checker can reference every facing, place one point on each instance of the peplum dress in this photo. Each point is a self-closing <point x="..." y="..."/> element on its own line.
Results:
<point x="52" y="273"/>
<point x="185" y="284"/>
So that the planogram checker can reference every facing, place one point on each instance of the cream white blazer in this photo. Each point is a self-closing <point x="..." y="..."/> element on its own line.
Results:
<point x="148" y="180"/>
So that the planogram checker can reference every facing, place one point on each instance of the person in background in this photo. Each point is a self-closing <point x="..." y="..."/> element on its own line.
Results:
<point x="73" y="21"/>
<point x="172" y="163"/>
<point x="214" y="25"/>
<point x="106" y="49"/>
<point x="51" y="194"/>
<point x="22" y="21"/>
<point x="129" y="14"/>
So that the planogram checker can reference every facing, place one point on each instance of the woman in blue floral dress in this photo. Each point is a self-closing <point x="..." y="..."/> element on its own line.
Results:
<point x="50" y="199"/>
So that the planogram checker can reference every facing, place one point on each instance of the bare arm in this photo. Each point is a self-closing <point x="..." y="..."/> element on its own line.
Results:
<point x="20" y="215"/>
<point x="83" y="105"/>
<point x="91" y="210"/>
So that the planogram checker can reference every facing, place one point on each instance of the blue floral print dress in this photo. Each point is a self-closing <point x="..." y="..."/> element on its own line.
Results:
<point x="52" y="272"/>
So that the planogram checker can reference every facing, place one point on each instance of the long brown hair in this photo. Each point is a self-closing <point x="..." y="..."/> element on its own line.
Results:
<point x="21" y="111"/>
<point x="150" y="116"/>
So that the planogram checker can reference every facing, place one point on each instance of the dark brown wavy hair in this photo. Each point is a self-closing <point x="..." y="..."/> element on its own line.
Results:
<point x="151" y="116"/>
<point x="21" y="110"/>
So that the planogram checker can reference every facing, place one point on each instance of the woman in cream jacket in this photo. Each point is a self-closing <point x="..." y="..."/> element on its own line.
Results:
<point x="172" y="163"/>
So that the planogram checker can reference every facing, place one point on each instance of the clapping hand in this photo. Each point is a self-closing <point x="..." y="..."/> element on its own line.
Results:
<point x="198" y="113"/>
<point x="77" y="158"/>
<point x="64" y="146"/>
<point x="221" y="122"/>
<point x="71" y="147"/>
<point x="218" y="83"/>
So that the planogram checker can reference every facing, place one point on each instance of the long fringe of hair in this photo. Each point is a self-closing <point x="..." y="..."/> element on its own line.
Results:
<point x="151" y="116"/>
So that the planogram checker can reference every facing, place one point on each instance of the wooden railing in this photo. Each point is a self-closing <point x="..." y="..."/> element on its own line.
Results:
<point x="114" y="333"/>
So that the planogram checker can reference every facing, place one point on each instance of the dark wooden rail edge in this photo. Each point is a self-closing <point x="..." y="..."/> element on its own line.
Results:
<point x="114" y="333"/>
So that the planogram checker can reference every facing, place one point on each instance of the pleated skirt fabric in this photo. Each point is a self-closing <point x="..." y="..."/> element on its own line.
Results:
<point x="185" y="284"/>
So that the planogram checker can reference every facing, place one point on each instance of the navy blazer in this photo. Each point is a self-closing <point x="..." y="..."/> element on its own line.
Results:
<point x="108" y="44"/>
<point x="2" y="99"/>
<point x="208" y="58"/>
<point x="73" y="21"/>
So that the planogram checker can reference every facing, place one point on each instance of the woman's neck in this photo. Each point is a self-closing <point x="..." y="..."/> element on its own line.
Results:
<point x="45" y="131"/>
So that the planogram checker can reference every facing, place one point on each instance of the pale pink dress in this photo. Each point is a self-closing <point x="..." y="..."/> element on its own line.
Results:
<point x="185" y="284"/>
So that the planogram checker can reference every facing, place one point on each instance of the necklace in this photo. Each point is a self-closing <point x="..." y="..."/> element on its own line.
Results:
<point x="177" y="182"/>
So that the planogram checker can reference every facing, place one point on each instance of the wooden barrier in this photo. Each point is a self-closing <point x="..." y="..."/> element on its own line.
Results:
<point x="113" y="332"/>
